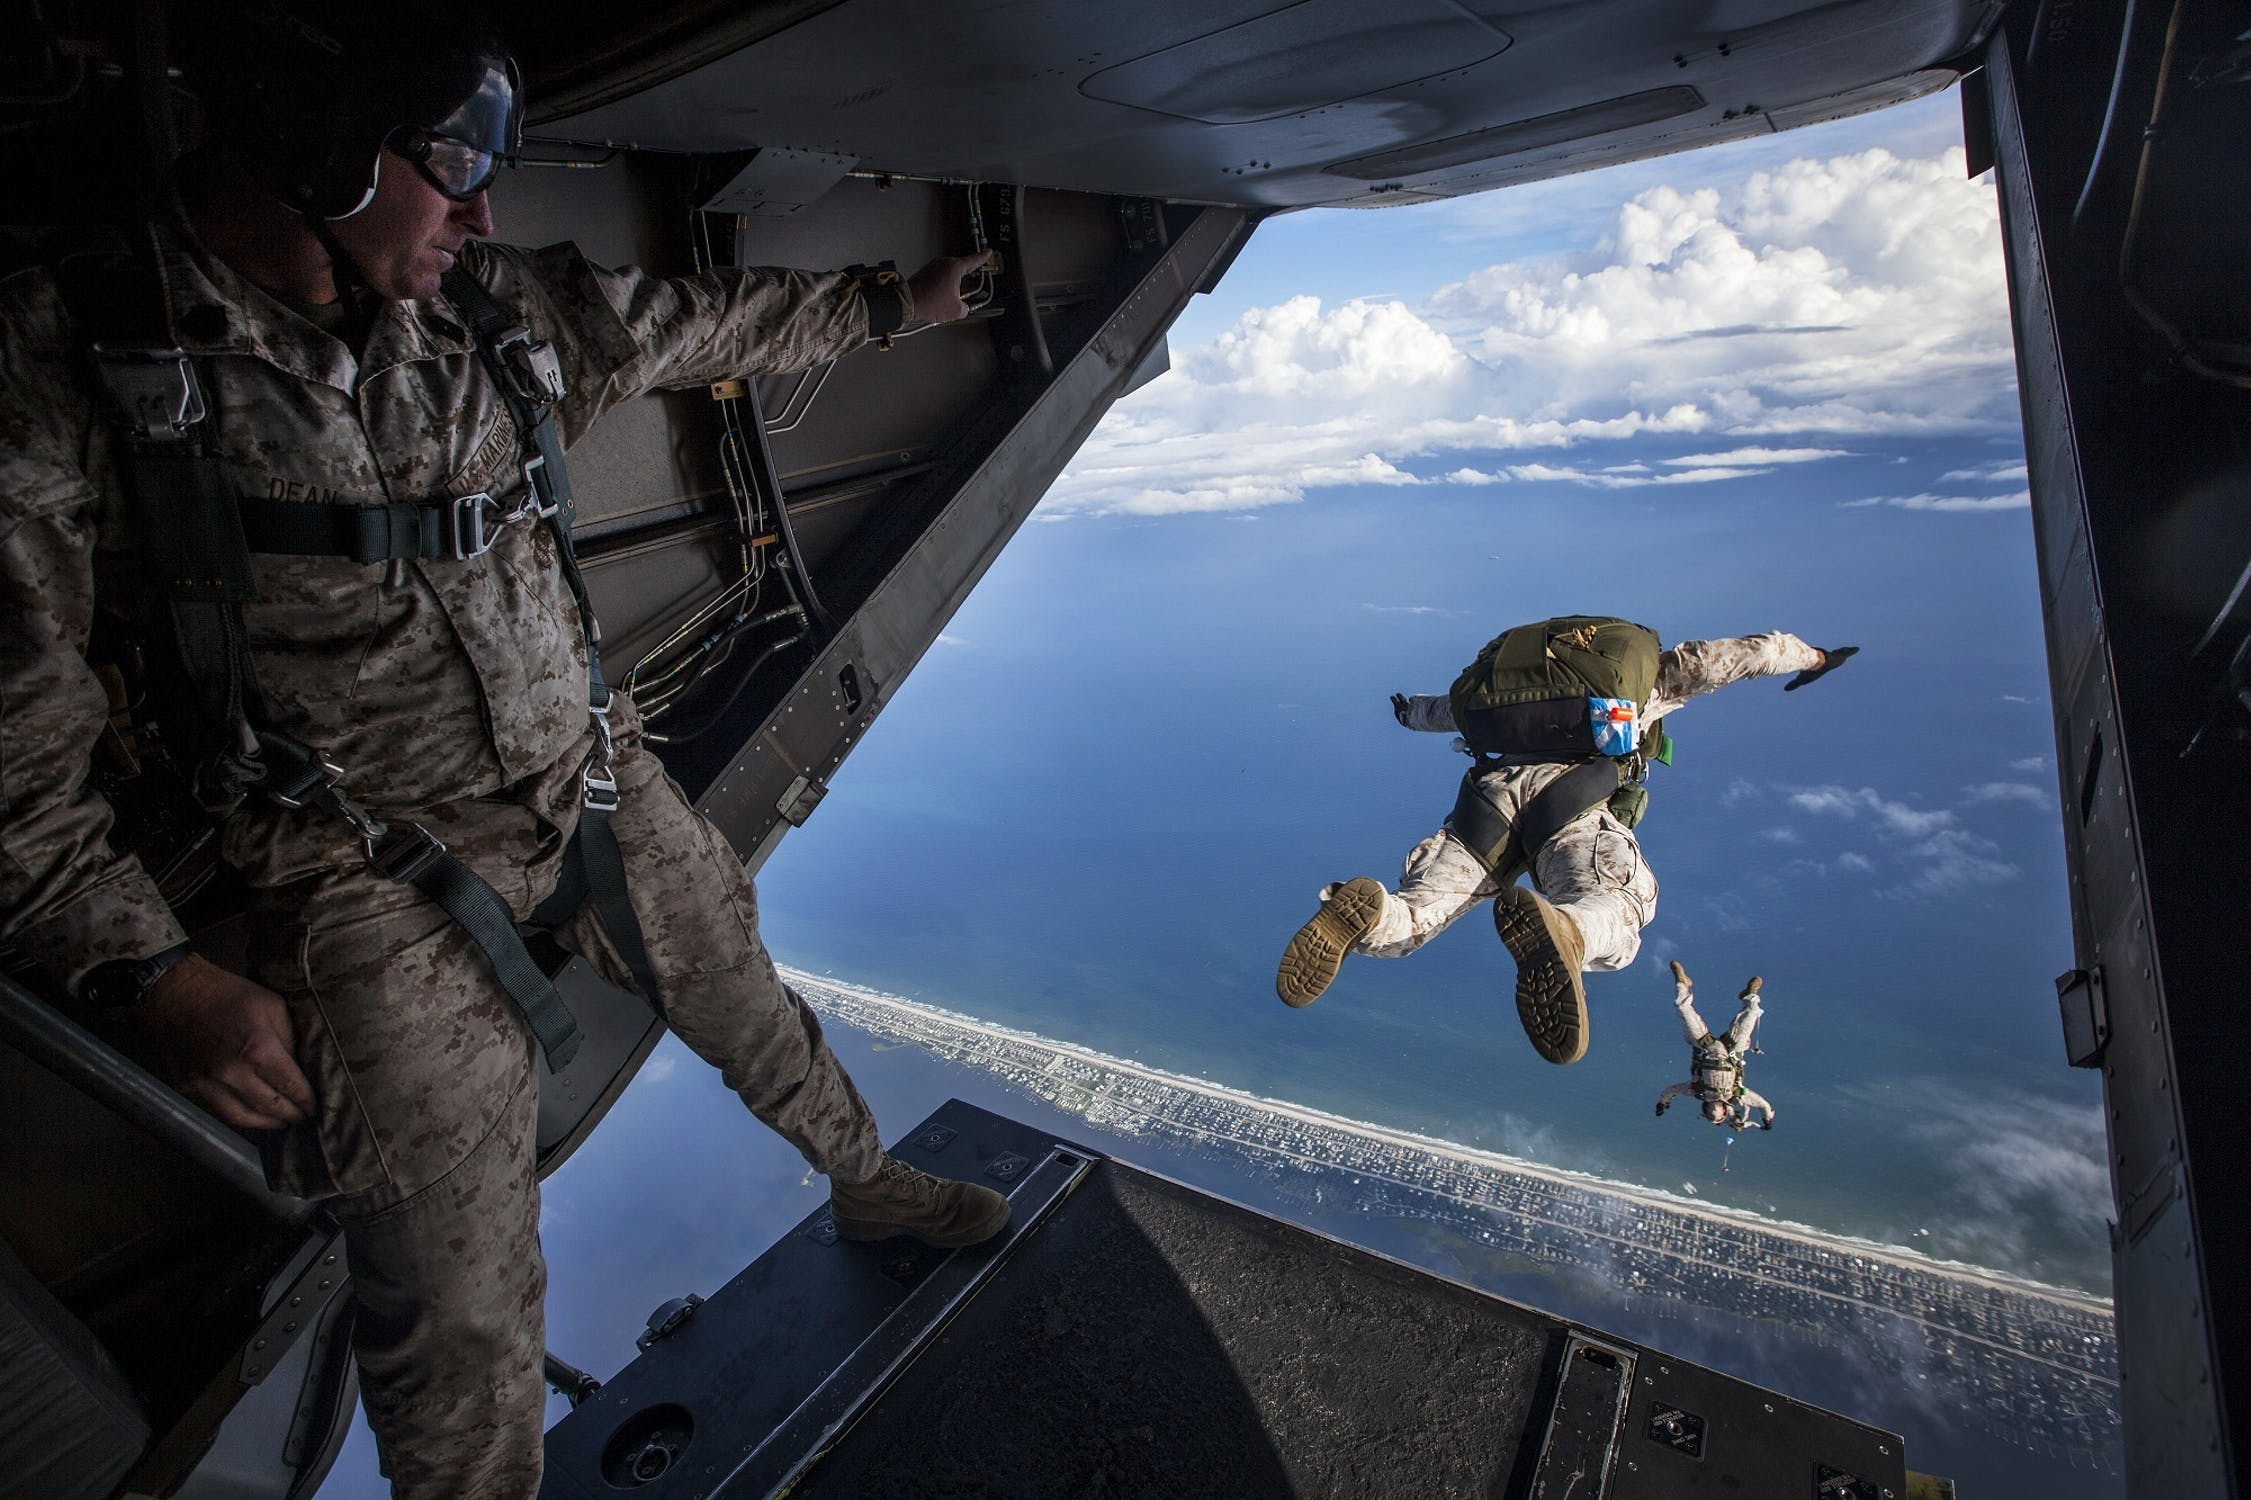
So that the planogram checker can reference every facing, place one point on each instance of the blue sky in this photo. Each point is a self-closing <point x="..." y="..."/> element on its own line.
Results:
<point x="1764" y="386"/>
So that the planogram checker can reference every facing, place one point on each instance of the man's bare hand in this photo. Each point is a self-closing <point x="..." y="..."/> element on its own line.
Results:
<point x="936" y="288"/>
<point x="226" y="1043"/>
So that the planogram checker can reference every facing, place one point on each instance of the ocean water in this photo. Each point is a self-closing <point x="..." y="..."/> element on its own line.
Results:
<point x="1100" y="806"/>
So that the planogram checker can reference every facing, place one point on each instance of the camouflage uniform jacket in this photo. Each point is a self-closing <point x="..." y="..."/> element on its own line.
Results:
<point x="429" y="681"/>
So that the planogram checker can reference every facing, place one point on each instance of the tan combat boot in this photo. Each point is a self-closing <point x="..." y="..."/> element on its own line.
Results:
<point x="1550" y="1000"/>
<point x="900" y="1200"/>
<point x="1348" y="913"/>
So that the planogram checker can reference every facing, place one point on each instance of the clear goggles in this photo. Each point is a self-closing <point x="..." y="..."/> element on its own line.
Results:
<point x="461" y="154"/>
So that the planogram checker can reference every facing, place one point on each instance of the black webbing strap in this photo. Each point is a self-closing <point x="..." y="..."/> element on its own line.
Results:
<point x="363" y="533"/>
<point x="188" y="520"/>
<point x="409" y="853"/>
<point x="1507" y="848"/>
<point x="511" y="358"/>
<point x="179" y="491"/>
<point x="605" y="881"/>
<point x="594" y="869"/>
<point x="412" y="855"/>
<point x="1584" y="786"/>
<point x="1481" y="828"/>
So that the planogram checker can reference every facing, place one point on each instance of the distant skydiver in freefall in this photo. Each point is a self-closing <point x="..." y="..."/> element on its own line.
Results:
<point x="1562" y="717"/>
<point x="1716" y="1062"/>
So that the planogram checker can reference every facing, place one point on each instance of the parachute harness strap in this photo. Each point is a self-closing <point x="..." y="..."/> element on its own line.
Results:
<point x="194" y="555"/>
<point x="530" y="378"/>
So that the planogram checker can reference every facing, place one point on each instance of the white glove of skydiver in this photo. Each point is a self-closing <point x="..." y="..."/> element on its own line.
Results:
<point x="1832" y="657"/>
<point x="1399" y="708"/>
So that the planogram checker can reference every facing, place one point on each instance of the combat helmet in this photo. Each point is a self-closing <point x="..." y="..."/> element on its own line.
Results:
<point x="307" y="95"/>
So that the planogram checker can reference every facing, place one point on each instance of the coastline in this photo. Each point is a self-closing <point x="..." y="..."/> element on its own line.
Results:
<point x="1900" y="1256"/>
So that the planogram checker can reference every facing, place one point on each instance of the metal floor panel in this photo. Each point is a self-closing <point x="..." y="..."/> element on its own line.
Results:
<point x="1132" y="1336"/>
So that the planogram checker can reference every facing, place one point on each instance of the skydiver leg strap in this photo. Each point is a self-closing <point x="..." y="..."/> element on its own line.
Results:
<point x="410" y="854"/>
<point x="1508" y="849"/>
<point x="1584" y="786"/>
<point x="594" y="874"/>
<point x="1478" y="826"/>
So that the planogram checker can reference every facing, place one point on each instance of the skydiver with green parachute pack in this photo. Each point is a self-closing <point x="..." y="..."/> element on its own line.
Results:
<point x="1564" y="718"/>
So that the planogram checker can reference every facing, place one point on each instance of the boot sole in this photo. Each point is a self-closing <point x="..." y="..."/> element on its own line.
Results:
<point x="1551" y="1001"/>
<point x="1312" y="959"/>
<point x="976" y="1232"/>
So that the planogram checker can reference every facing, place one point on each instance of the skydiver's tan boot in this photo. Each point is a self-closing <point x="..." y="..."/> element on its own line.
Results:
<point x="1348" y="913"/>
<point x="1550" y="999"/>
<point x="900" y="1200"/>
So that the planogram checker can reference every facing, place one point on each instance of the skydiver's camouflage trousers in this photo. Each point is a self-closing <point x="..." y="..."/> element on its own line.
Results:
<point x="1592" y="869"/>
<point x="1692" y="1027"/>
<point x="427" y="1082"/>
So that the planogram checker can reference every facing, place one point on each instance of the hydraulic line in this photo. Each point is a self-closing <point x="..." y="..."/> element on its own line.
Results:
<point x="718" y="715"/>
<point x="767" y="483"/>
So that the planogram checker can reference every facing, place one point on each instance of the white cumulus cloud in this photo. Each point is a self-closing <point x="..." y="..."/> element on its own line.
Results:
<point x="2012" y="471"/>
<point x="1854" y="802"/>
<point x="2021" y="500"/>
<point x="1762" y="457"/>
<point x="1860" y="294"/>
<point x="2009" y="791"/>
<point x="1932" y="852"/>
<point x="1954" y="860"/>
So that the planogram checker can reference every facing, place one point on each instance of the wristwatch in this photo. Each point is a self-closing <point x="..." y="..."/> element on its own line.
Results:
<point x="123" y="982"/>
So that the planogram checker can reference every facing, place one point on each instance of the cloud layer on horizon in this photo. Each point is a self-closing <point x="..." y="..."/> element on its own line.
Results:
<point x="1775" y="319"/>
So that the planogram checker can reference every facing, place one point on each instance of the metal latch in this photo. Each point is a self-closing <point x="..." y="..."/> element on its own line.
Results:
<point x="797" y="804"/>
<point x="666" y="1320"/>
<point x="2086" y="1016"/>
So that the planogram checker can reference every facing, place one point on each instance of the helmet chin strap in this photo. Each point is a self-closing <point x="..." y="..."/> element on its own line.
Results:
<point x="343" y="271"/>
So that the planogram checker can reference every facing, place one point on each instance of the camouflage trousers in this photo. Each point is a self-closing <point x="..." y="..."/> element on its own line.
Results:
<point x="427" y="1083"/>
<point x="1593" y="869"/>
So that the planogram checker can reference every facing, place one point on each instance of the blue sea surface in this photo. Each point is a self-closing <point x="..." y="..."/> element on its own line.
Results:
<point x="1106" y="798"/>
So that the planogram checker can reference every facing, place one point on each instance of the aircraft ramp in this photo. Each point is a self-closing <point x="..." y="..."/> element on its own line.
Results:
<point x="1130" y="1336"/>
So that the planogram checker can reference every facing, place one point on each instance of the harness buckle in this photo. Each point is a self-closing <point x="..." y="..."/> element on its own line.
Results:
<point x="598" y="782"/>
<point x="472" y="524"/>
<point x="538" y="499"/>
<point x="531" y="363"/>
<point x="154" y="390"/>
<point x="403" y="851"/>
<point x="313" y="783"/>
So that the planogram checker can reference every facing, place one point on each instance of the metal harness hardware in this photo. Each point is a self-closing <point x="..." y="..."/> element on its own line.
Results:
<point x="190" y="520"/>
<point x="537" y="372"/>
<point x="598" y="782"/>
<point x="154" y="390"/>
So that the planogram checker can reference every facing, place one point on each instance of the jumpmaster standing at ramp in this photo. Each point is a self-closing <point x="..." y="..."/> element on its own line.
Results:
<point x="301" y="431"/>
<point x="1564" y="718"/>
